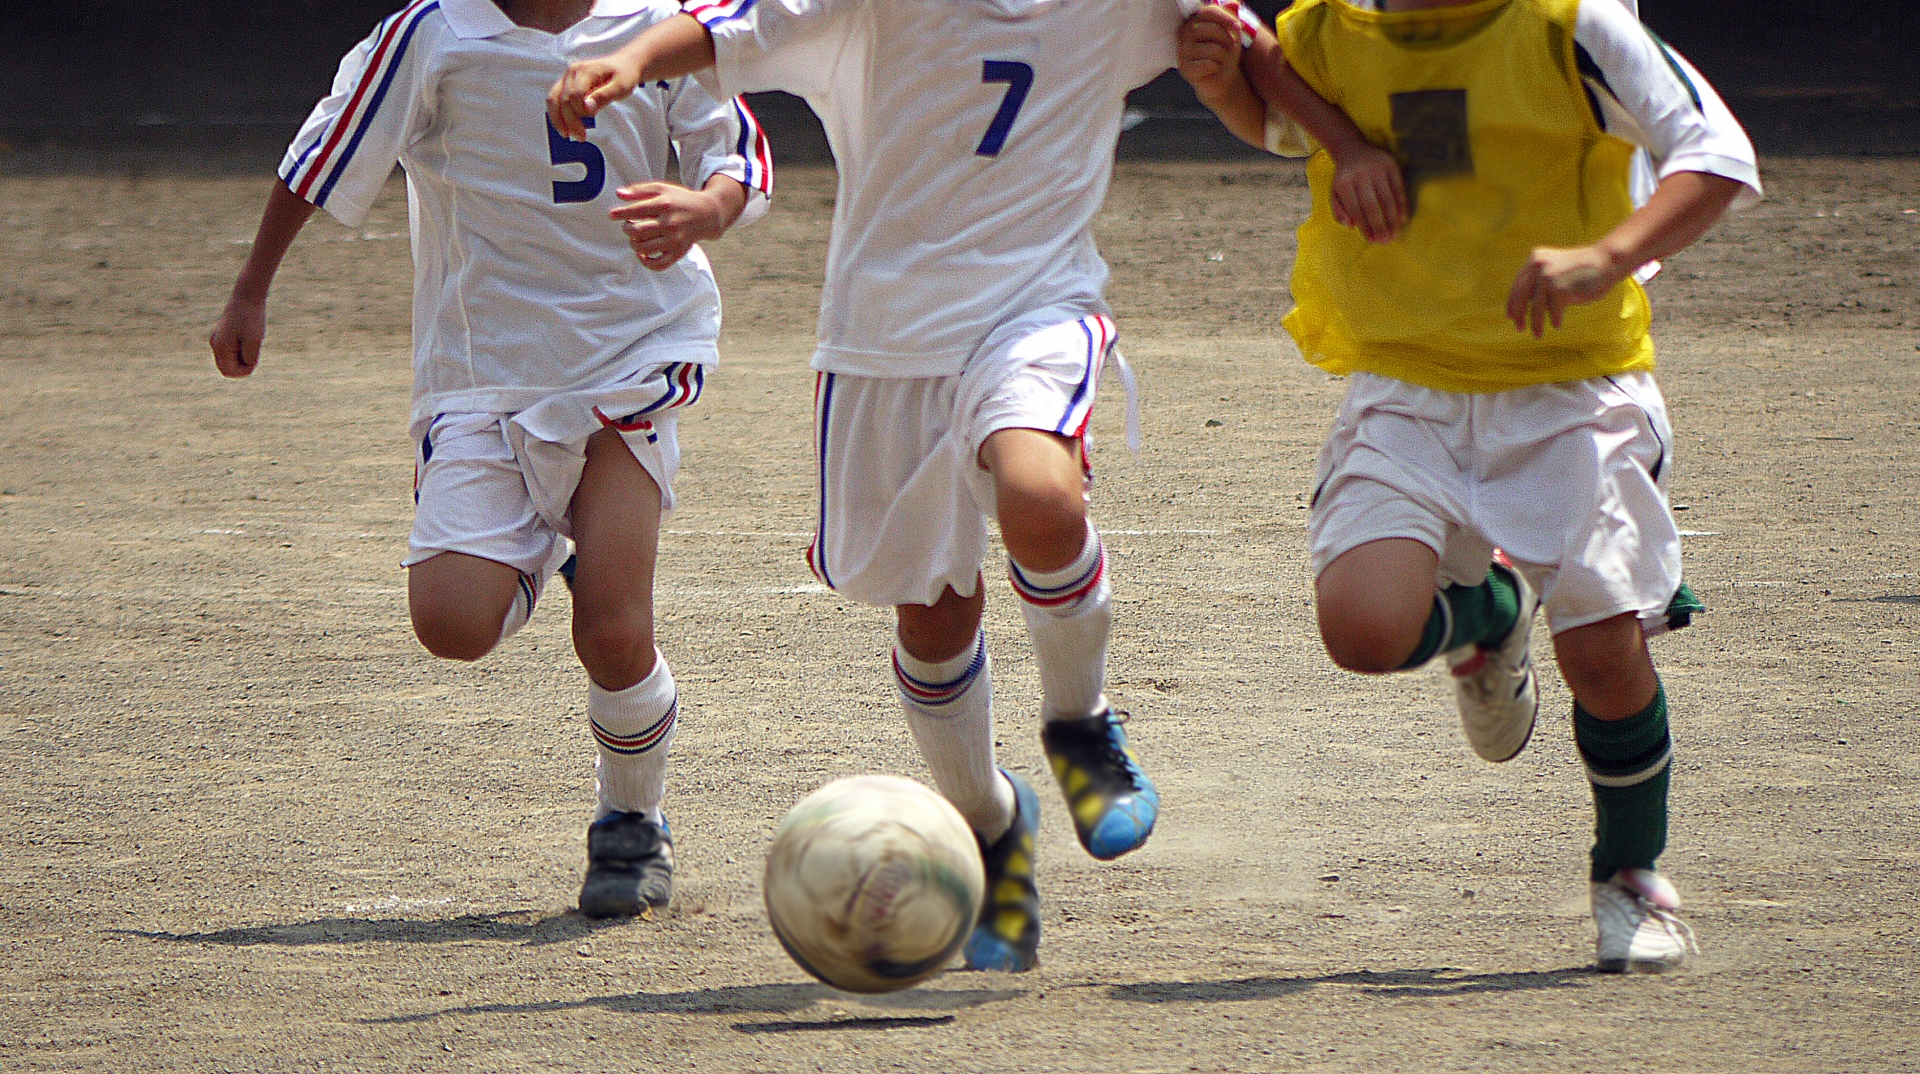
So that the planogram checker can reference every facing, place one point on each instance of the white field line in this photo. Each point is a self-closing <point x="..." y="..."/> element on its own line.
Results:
<point x="391" y="903"/>
<point x="815" y="588"/>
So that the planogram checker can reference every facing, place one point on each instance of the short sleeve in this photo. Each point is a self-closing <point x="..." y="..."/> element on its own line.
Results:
<point x="791" y="45"/>
<point x="720" y="138"/>
<point x="379" y="105"/>
<point x="1651" y="96"/>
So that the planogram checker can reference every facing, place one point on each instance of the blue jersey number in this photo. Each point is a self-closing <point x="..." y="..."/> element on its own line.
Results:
<point x="563" y="150"/>
<point x="1019" y="79"/>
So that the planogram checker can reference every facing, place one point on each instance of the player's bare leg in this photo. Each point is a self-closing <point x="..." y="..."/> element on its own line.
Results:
<point x="942" y="630"/>
<point x="1607" y="667"/>
<point x="1040" y="487"/>
<point x="631" y="701"/>
<point x="616" y="535"/>
<point x="463" y="606"/>
<point x="1379" y="612"/>
<point x="1058" y="568"/>
<point x="1620" y="727"/>
<point x="1373" y="603"/>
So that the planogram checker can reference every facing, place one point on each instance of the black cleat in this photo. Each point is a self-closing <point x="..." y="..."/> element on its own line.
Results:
<point x="629" y="866"/>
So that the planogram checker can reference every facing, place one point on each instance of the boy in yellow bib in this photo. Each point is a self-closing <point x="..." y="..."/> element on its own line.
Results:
<point x="1502" y="434"/>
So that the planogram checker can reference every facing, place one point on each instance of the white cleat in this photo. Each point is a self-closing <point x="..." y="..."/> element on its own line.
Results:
<point x="1495" y="688"/>
<point x="1637" y="930"/>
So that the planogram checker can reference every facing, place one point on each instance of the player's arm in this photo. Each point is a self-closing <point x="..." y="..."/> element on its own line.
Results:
<point x="1208" y="54"/>
<point x="662" y="220"/>
<point x="1682" y="208"/>
<point x="668" y="49"/>
<point x="1368" y="191"/>
<point x="1646" y="94"/>
<point x="243" y="324"/>
<point x="1239" y="71"/>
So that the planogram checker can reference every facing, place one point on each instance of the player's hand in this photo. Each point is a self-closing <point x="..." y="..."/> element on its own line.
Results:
<point x="662" y="221"/>
<point x="1555" y="278"/>
<point x="236" y="339"/>
<point x="1209" y="49"/>
<point x="1368" y="191"/>
<point x="586" y="88"/>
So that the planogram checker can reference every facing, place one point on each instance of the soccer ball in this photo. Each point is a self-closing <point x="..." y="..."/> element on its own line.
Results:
<point x="873" y="883"/>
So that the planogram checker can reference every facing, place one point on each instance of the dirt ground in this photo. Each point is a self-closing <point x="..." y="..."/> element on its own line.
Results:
<point x="248" y="824"/>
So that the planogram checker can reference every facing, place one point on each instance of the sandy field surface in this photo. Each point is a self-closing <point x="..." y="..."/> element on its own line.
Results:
<point x="246" y="823"/>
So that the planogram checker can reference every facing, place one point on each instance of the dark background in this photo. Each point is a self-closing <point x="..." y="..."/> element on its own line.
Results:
<point x="219" y="85"/>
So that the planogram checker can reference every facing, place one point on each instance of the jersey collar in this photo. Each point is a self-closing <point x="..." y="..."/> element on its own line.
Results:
<point x="471" y="19"/>
<point x="620" y="9"/>
<point x="475" y="18"/>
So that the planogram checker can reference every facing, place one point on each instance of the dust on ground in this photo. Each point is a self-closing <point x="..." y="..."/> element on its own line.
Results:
<point x="250" y="825"/>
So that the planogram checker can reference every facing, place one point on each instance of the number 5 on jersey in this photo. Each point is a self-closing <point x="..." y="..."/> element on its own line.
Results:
<point x="562" y="150"/>
<point x="1019" y="79"/>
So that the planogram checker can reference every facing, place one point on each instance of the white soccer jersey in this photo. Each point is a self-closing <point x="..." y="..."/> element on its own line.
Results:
<point x="975" y="142"/>
<point x="1649" y="95"/>
<point x="522" y="285"/>
<point x="1640" y="184"/>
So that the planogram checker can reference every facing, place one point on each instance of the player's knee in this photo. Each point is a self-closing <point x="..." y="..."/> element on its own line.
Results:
<point x="1366" y="644"/>
<point x="453" y="637"/>
<point x="616" y="650"/>
<point x="1606" y="664"/>
<point x="1043" y="521"/>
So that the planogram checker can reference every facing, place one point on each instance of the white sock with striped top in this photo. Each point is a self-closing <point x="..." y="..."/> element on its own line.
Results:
<point x="949" y="707"/>
<point x="1069" y="614"/>
<point x="633" y="730"/>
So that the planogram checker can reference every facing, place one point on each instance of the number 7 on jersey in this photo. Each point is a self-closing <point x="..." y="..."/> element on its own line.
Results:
<point x="1019" y="79"/>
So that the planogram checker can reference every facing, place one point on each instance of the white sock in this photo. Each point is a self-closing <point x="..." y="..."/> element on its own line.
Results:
<point x="521" y="610"/>
<point x="949" y="708"/>
<point x="1069" y="614"/>
<point x="633" y="729"/>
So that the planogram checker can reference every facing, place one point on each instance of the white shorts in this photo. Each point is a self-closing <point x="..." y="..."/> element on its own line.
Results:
<point x="500" y="486"/>
<point x="903" y="499"/>
<point x="1569" y="479"/>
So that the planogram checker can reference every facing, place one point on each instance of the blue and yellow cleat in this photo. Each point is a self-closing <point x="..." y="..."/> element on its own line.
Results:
<point x="1007" y="937"/>
<point x="1112" y="801"/>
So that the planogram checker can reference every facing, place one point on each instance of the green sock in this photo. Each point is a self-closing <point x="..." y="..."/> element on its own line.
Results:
<point x="1468" y="615"/>
<point x="1628" y="765"/>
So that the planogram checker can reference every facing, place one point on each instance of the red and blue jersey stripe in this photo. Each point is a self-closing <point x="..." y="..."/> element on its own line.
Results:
<point x="822" y="421"/>
<point x="326" y="155"/>
<point x="753" y="148"/>
<point x="684" y="380"/>
<point x="710" y="13"/>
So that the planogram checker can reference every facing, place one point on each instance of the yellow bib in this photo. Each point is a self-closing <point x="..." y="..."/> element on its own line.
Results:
<point x="1485" y="109"/>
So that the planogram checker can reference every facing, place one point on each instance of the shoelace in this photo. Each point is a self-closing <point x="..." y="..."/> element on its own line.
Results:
<point x="1675" y="927"/>
<point x="1107" y="750"/>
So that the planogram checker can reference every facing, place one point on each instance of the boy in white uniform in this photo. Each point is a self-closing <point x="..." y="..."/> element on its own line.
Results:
<point x="962" y="335"/>
<point x="1501" y="389"/>
<point x="552" y="346"/>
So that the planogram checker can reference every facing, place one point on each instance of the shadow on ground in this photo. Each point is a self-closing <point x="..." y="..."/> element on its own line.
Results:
<point x="1417" y="983"/>
<point x="751" y="999"/>
<point x="523" y="927"/>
